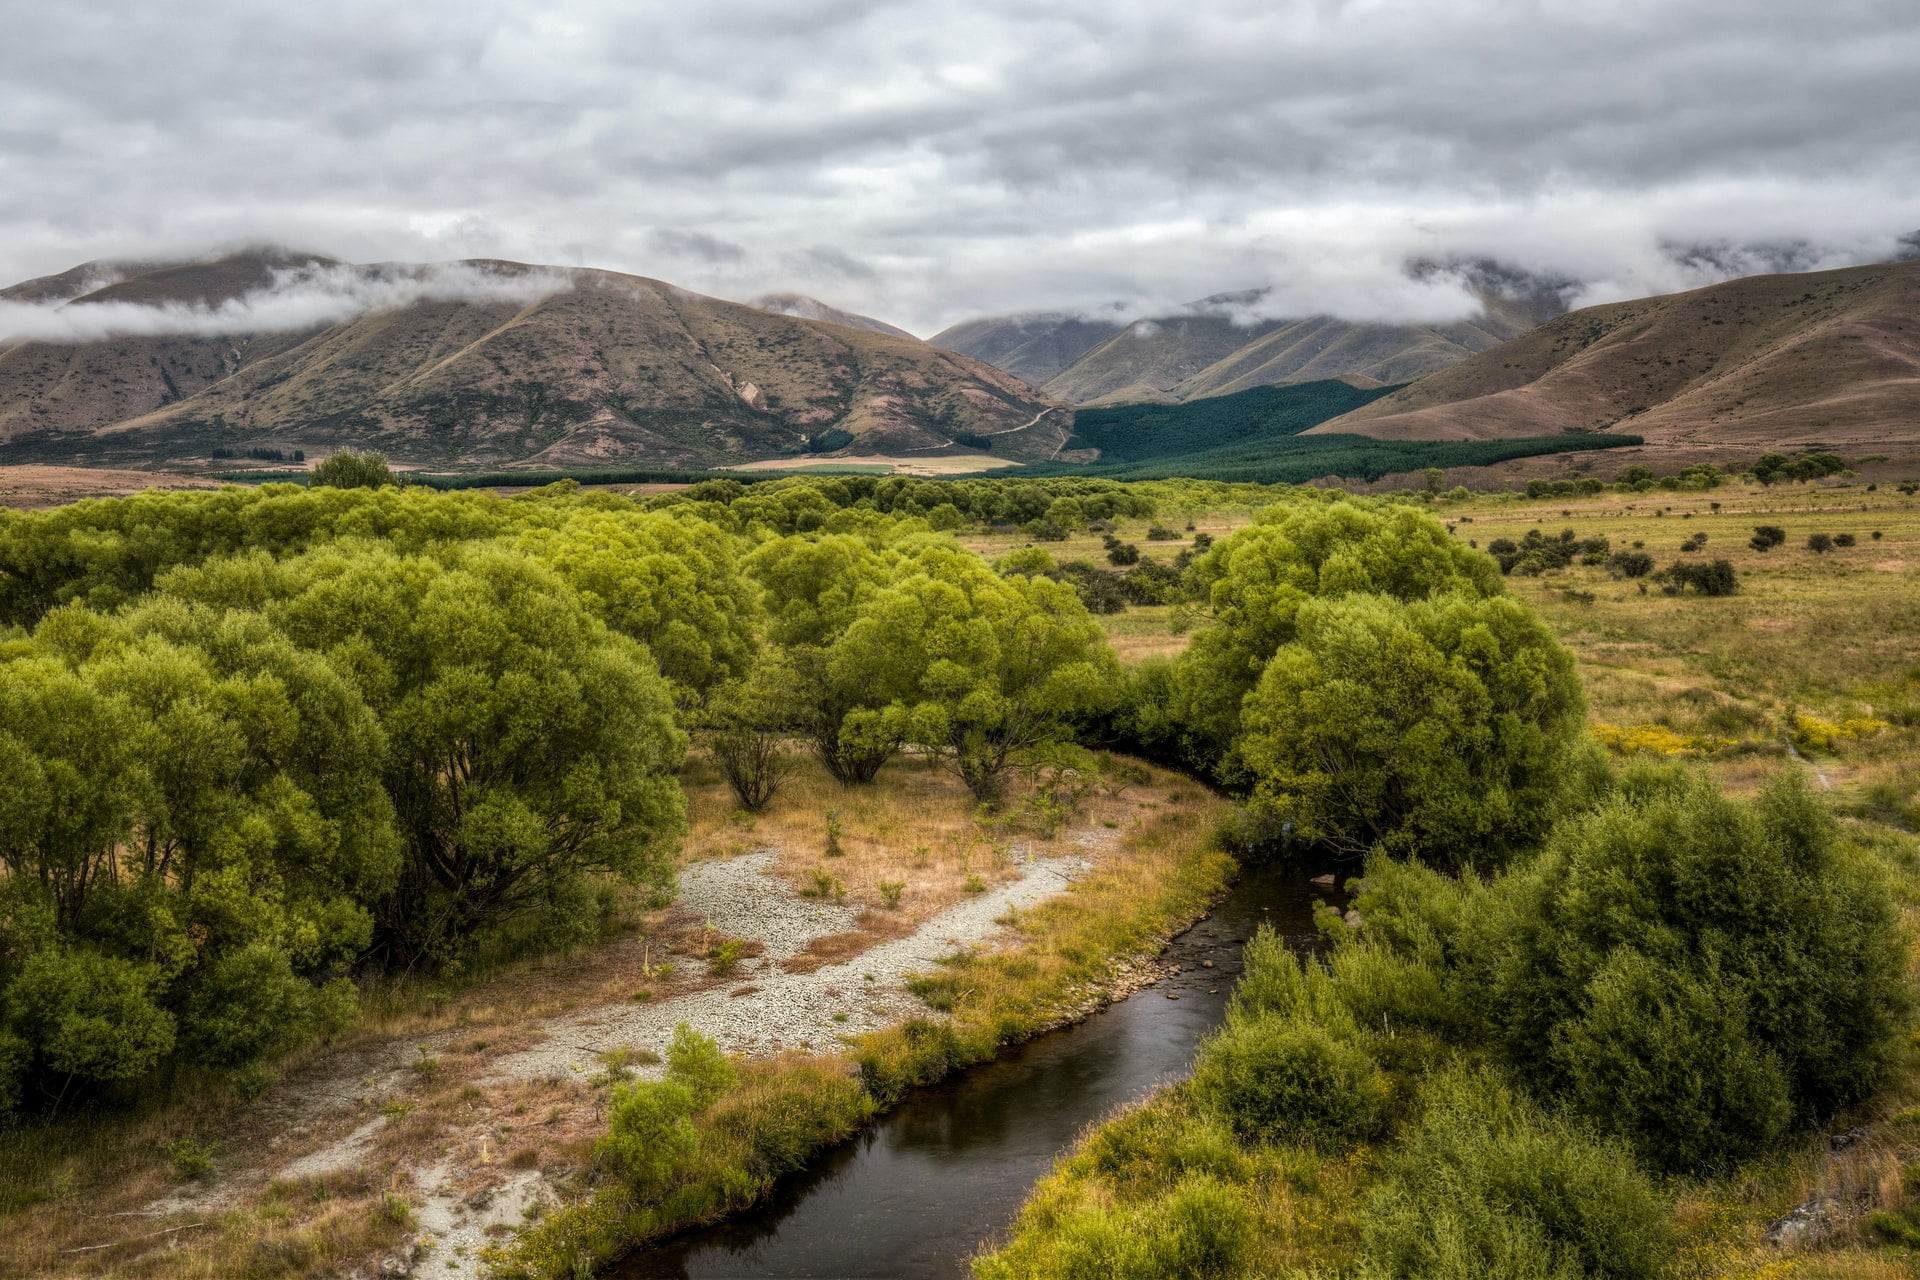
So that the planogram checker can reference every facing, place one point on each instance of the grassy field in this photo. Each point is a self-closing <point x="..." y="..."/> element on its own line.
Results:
<point x="1809" y="640"/>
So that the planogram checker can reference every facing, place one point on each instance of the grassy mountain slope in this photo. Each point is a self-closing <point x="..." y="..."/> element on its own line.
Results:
<point x="605" y="367"/>
<point x="1323" y="347"/>
<point x="1829" y="358"/>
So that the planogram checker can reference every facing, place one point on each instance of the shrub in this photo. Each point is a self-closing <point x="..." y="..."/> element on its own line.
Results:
<point x="1122" y="553"/>
<point x="1819" y="543"/>
<point x="349" y="469"/>
<point x="1158" y="532"/>
<point x="724" y="957"/>
<point x="1773" y="468"/>
<point x="650" y="1136"/>
<point x="1715" y="579"/>
<point x="251" y="1004"/>
<point x="695" y="1061"/>
<point x="1100" y="591"/>
<point x="90" y="1016"/>
<point x="1151" y="582"/>
<point x="1200" y="1229"/>
<point x="1488" y="1188"/>
<point x="192" y="1159"/>
<point x="1275" y="1077"/>
<point x="1843" y="539"/>
<point x="1536" y="553"/>
<point x="1766" y="537"/>
<point x="1630" y="564"/>
<point x="1696" y="973"/>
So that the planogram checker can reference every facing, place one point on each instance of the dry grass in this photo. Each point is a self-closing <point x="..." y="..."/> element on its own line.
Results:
<point x="33" y="488"/>
<point x="917" y="827"/>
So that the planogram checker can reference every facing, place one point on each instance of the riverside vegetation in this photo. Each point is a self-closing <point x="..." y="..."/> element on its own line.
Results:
<point x="263" y="746"/>
<point x="1615" y="1043"/>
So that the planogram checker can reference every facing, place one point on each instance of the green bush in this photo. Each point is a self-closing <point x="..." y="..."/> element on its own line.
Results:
<point x="90" y="1016"/>
<point x="349" y="469"/>
<point x="1199" y="1230"/>
<point x="1630" y="564"/>
<point x="650" y="1137"/>
<point x="695" y="1061"/>
<point x="1277" y="1078"/>
<point x="1697" y="973"/>
<point x="1715" y="578"/>
<point x="1489" y="1188"/>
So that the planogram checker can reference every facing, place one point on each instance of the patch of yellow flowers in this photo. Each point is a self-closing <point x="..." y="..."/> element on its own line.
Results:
<point x="1814" y="734"/>
<point x="1659" y="740"/>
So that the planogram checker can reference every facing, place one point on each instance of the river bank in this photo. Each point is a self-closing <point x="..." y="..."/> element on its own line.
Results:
<point x="1053" y="964"/>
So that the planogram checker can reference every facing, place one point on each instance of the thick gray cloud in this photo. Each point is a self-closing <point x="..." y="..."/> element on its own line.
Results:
<point x="924" y="161"/>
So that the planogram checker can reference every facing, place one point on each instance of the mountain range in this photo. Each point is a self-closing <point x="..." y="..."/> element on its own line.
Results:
<point x="1224" y="344"/>
<point x="476" y="364"/>
<point x="490" y="364"/>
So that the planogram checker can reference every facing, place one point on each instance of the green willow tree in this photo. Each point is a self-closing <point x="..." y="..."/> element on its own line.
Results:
<point x="529" y="747"/>
<point x="813" y="590"/>
<point x="672" y="584"/>
<point x="352" y="469"/>
<point x="1251" y="587"/>
<point x="1446" y="728"/>
<point x="985" y="670"/>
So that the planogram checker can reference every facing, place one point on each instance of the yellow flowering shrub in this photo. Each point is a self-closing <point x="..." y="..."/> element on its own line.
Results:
<point x="1815" y="734"/>
<point x="1658" y="740"/>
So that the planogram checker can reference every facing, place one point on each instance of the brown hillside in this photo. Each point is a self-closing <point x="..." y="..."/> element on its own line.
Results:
<point x="607" y="368"/>
<point x="1826" y="358"/>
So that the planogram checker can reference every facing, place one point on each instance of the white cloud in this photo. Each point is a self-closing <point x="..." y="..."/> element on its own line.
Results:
<point x="305" y="297"/>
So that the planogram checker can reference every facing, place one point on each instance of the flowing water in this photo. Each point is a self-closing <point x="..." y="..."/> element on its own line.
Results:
<point x="921" y="1190"/>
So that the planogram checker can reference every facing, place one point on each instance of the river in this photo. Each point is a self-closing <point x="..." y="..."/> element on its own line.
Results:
<point x="925" y="1186"/>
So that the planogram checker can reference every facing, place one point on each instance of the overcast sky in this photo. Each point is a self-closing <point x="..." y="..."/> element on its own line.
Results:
<point x="925" y="161"/>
